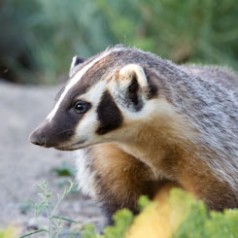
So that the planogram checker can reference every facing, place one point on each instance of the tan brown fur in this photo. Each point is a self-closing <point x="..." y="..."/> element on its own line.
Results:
<point x="125" y="168"/>
<point x="148" y="124"/>
<point x="121" y="177"/>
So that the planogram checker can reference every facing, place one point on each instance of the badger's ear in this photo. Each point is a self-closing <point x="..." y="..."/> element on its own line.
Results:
<point x="135" y="85"/>
<point x="133" y="77"/>
<point x="75" y="62"/>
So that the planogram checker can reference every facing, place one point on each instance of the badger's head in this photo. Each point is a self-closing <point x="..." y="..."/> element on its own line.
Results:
<point x="104" y="96"/>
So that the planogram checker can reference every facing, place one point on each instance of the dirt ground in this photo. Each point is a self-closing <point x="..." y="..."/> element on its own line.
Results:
<point x="24" y="166"/>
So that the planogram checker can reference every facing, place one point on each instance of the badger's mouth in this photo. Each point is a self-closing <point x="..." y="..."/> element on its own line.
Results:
<point x="69" y="147"/>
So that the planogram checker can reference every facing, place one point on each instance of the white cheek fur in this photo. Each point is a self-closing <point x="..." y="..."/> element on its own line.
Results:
<point x="87" y="126"/>
<point x="86" y="178"/>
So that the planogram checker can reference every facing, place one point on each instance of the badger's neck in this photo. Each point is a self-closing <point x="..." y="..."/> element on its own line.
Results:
<point x="160" y="139"/>
<point x="173" y="150"/>
<point x="170" y="144"/>
<point x="213" y="110"/>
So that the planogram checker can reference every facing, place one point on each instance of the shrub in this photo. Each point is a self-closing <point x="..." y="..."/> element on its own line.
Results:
<point x="41" y="36"/>
<point x="179" y="216"/>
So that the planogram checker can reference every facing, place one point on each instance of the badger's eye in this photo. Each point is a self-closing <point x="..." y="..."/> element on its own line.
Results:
<point x="81" y="107"/>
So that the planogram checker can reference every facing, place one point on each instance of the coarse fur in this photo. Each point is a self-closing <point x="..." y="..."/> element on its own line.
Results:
<point x="140" y="123"/>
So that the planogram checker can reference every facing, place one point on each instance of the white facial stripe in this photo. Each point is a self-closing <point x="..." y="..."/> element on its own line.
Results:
<point x="75" y="80"/>
<point x="95" y="93"/>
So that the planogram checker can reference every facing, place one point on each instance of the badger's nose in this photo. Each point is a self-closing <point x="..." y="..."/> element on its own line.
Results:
<point x="38" y="138"/>
<point x="40" y="135"/>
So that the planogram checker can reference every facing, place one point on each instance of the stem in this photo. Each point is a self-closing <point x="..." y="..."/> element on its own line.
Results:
<point x="34" y="232"/>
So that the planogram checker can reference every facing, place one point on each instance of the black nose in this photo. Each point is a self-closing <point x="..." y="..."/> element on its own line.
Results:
<point x="38" y="138"/>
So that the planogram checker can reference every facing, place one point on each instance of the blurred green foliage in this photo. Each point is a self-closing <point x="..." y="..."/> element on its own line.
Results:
<point x="65" y="170"/>
<point x="199" y="223"/>
<point x="39" y="37"/>
<point x="9" y="232"/>
<point x="122" y="221"/>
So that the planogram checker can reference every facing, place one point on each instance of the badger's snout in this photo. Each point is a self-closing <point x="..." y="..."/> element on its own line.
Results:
<point x="50" y="134"/>
<point x="38" y="139"/>
<point x="41" y="135"/>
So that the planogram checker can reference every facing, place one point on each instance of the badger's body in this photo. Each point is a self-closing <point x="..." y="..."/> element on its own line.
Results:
<point x="143" y="123"/>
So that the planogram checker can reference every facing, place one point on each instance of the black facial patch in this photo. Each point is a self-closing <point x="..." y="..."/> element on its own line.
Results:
<point x="109" y="114"/>
<point x="133" y="97"/>
<point x="133" y="90"/>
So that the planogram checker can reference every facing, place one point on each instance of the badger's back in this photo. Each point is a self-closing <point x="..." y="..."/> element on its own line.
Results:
<point x="218" y="74"/>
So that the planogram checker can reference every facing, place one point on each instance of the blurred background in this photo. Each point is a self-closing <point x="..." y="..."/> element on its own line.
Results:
<point x="39" y="37"/>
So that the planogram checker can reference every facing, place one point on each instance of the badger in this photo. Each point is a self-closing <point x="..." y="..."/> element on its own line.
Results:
<point x="139" y="123"/>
